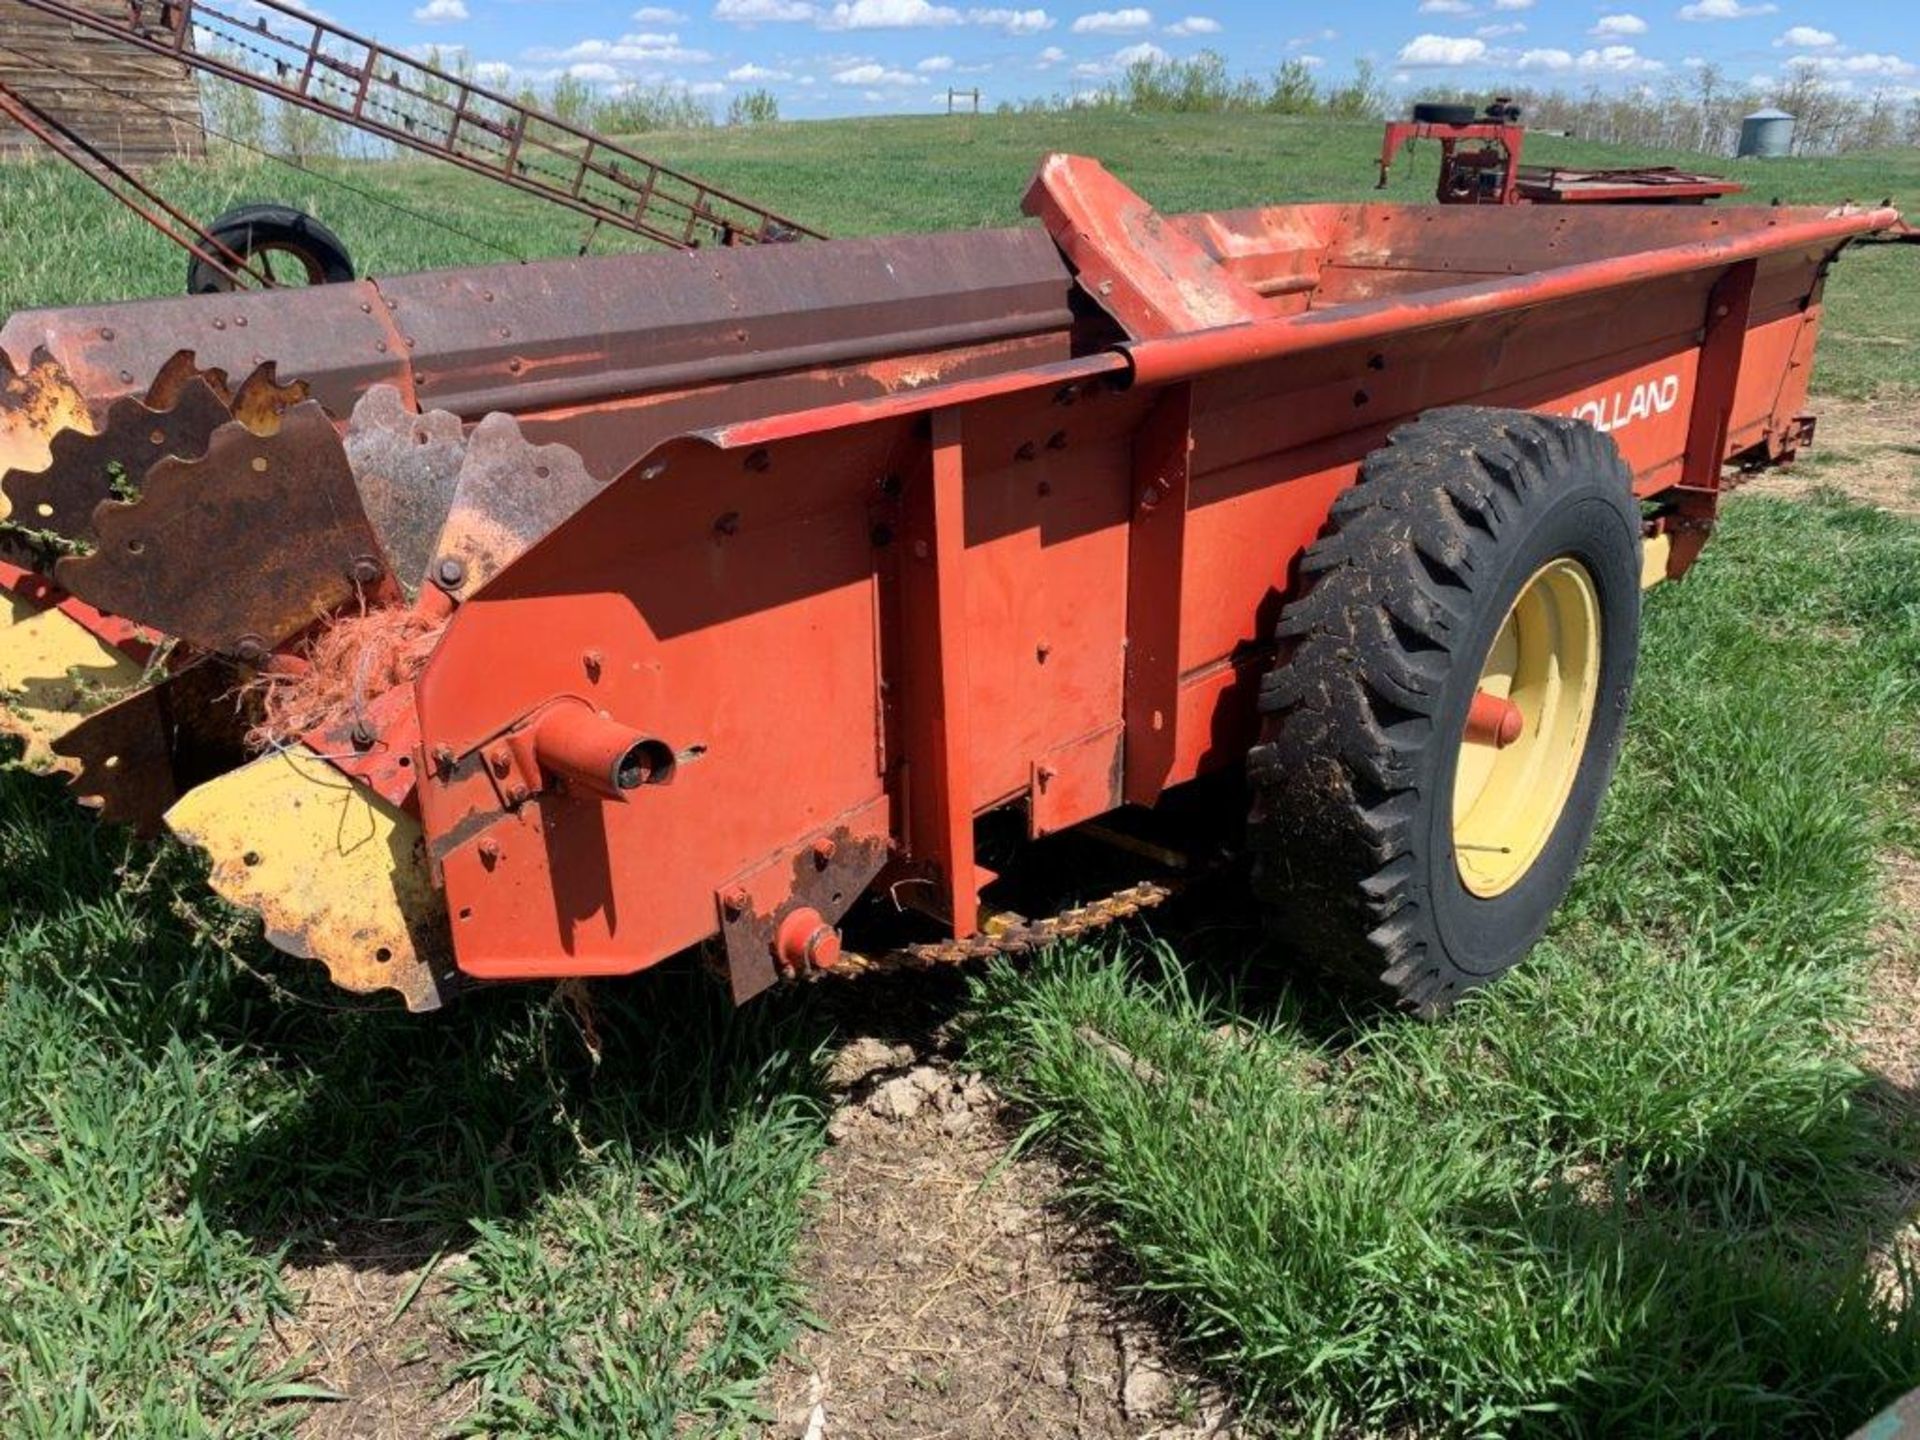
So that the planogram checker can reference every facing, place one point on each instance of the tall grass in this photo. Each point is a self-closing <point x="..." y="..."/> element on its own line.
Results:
<point x="1627" y="1191"/>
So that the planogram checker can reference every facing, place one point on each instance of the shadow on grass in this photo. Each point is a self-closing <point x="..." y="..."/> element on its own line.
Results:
<point x="368" y="1121"/>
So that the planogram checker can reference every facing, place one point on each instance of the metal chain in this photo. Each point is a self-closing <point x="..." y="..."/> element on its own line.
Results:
<point x="1010" y="934"/>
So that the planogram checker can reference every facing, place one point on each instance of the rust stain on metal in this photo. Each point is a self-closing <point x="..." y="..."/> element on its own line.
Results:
<point x="822" y="878"/>
<point x="85" y="471"/>
<point x="510" y="493"/>
<point x="36" y="404"/>
<point x="405" y="466"/>
<point x="283" y="506"/>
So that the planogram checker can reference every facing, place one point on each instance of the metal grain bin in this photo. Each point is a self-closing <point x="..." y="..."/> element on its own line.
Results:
<point x="1767" y="134"/>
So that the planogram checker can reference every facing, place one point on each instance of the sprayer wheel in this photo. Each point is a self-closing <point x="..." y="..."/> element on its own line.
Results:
<point x="1448" y="704"/>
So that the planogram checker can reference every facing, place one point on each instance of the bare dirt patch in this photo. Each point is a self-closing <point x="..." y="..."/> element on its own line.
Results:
<point x="1868" y="450"/>
<point x="369" y="1330"/>
<point x="1891" y="1036"/>
<point x="957" y="1297"/>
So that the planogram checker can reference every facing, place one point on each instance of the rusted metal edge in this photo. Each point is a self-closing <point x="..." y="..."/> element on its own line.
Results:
<point x="489" y="338"/>
<point x="1060" y="376"/>
<point x="1184" y="357"/>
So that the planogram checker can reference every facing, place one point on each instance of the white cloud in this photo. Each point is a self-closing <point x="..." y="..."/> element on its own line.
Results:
<point x="1616" y="60"/>
<point x="872" y="74"/>
<point x="880" y="15"/>
<point x="1426" y="51"/>
<point x="1113" y="22"/>
<point x="1122" y="59"/>
<point x="888" y="15"/>
<point x="1445" y="7"/>
<point x="1891" y="67"/>
<point x="751" y="74"/>
<point x="1312" y="62"/>
<point x="493" y="72"/>
<point x="1049" y="57"/>
<point x="594" y="73"/>
<point x="935" y="64"/>
<point x="1546" y="60"/>
<point x="1614" y="26"/>
<point x="1805" y="37"/>
<point x="657" y="15"/>
<point x="1498" y="32"/>
<point x="1725" y="10"/>
<point x="753" y="12"/>
<point x="1014" y="22"/>
<point x="1195" y="25"/>
<point x="1513" y="4"/>
<point x="442" y="12"/>
<point x="642" y="49"/>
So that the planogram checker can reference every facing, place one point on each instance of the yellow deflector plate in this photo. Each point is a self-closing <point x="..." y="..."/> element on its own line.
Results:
<point x="54" y="672"/>
<point x="338" y="874"/>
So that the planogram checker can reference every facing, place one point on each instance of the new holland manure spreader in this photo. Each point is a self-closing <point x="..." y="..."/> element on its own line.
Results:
<point x="798" y="601"/>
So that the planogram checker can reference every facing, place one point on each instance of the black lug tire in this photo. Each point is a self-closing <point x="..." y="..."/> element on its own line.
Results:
<point x="248" y="229"/>
<point x="1380" y="655"/>
<point x="1433" y="113"/>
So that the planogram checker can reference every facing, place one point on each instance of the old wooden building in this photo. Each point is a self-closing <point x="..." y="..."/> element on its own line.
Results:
<point x="80" y="76"/>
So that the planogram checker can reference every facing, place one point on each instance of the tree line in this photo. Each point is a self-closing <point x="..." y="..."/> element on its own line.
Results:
<point x="256" y="121"/>
<point x="1702" y="110"/>
<point x="1204" y="85"/>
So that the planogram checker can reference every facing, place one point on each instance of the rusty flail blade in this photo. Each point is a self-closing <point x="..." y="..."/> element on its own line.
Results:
<point x="171" y="381"/>
<point x="134" y="759"/>
<point x="257" y="402"/>
<point x="242" y="549"/>
<point x="336" y="873"/>
<point x="86" y="470"/>
<point x="36" y="404"/>
<point x="510" y="494"/>
<point x="262" y="400"/>
<point x="406" y="466"/>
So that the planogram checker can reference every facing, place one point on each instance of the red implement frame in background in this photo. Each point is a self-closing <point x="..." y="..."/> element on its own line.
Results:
<point x="1480" y="164"/>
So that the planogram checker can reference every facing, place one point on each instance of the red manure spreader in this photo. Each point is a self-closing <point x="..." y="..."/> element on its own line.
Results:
<point x="848" y="603"/>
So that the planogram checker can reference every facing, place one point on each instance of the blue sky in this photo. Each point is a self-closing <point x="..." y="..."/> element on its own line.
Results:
<point x="838" y="57"/>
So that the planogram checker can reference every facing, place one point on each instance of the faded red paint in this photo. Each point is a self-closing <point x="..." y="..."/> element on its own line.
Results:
<point x="1051" y="585"/>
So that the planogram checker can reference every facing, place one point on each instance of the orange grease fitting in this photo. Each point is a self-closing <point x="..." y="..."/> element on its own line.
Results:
<point x="350" y="664"/>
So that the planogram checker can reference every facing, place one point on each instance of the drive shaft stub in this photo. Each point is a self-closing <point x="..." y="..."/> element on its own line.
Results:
<point x="599" y="753"/>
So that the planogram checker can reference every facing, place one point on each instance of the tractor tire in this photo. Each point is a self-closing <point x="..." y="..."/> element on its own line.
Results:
<point x="278" y="234"/>
<point x="1483" y="553"/>
<point x="1431" y="113"/>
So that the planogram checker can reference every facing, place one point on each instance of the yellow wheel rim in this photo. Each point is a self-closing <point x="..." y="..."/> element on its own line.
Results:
<point x="1545" y="662"/>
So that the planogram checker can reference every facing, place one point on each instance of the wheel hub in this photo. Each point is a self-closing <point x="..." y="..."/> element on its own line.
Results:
<point x="1512" y="780"/>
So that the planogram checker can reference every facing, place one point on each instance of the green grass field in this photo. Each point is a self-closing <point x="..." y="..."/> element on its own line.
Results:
<point x="1640" y="1188"/>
